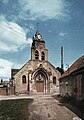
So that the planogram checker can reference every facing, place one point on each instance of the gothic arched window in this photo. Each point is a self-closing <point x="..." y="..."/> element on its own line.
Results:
<point x="42" y="56"/>
<point x="23" y="79"/>
<point x="54" y="80"/>
<point x="36" y="54"/>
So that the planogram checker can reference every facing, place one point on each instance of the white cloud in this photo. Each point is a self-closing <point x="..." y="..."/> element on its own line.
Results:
<point x="62" y="34"/>
<point x="12" y="36"/>
<point x="43" y="10"/>
<point x="5" y="68"/>
<point x="31" y="27"/>
<point x="30" y="41"/>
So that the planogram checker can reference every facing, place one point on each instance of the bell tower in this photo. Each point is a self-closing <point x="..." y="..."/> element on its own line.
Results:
<point x="38" y="50"/>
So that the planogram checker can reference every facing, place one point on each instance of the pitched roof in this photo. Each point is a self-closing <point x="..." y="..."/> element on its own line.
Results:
<point x="13" y="72"/>
<point x="78" y="64"/>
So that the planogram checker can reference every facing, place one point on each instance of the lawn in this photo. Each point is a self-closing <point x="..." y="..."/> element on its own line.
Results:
<point x="15" y="109"/>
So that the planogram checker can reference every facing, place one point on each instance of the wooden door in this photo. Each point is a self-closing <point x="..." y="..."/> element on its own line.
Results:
<point x="40" y="86"/>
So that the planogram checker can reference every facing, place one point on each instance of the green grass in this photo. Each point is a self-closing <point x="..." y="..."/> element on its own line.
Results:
<point x="15" y="109"/>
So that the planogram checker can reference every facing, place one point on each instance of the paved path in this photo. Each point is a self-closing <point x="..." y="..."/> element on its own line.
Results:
<point x="45" y="107"/>
<point x="8" y="97"/>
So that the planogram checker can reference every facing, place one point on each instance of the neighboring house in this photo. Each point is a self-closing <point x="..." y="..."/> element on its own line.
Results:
<point x="38" y="74"/>
<point x="72" y="81"/>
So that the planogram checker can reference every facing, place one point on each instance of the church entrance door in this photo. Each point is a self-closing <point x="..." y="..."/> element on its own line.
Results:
<point x="40" y="78"/>
<point x="40" y="86"/>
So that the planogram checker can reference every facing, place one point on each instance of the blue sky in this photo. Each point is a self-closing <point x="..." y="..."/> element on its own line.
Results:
<point x="61" y="23"/>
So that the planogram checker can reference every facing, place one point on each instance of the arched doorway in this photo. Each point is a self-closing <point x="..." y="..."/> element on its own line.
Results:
<point x="41" y="79"/>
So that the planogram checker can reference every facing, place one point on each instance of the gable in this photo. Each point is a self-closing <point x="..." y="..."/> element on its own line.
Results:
<point x="78" y="64"/>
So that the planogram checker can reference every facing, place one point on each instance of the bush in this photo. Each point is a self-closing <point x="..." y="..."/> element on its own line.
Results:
<point x="58" y="95"/>
<point x="68" y="99"/>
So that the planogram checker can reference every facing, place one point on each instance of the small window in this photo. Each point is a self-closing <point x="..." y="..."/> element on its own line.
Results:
<point x="42" y="56"/>
<point x="54" y="80"/>
<point x="23" y="79"/>
<point x="36" y="54"/>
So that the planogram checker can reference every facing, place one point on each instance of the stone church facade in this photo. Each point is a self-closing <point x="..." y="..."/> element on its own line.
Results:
<point x="38" y="74"/>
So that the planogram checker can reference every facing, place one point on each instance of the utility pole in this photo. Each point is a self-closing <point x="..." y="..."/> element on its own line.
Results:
<point x="62" y="66"/>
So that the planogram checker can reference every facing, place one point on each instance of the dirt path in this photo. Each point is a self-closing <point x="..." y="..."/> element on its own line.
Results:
<point x="46" y="107"/>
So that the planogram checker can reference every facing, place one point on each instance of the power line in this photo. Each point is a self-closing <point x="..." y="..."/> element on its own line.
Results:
<point x="13" y="30"/>
<point x="10" y="26"/>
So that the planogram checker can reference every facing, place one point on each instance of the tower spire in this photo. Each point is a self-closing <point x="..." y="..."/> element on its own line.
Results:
<point x="37" y="26"/>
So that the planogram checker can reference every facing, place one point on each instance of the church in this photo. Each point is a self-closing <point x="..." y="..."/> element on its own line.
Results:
<point x="38" y="74"/>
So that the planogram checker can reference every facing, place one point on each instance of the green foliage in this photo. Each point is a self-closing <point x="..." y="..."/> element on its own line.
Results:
<point x="14" y="109"/>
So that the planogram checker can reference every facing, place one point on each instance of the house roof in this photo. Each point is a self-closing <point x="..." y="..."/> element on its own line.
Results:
<point x="78" y="64"/>
<point x="13" y="72"/>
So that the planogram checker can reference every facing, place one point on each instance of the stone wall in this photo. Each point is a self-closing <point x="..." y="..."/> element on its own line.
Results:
<point x="67" y="85"/>
<point x="72" y="84"/>
<point x="29" y="69"/>
<point x="7" y="90"/>
<point x="3" y="91"/>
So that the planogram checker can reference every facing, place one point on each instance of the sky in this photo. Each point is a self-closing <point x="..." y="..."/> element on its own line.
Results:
<point x="61" y="23"/>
